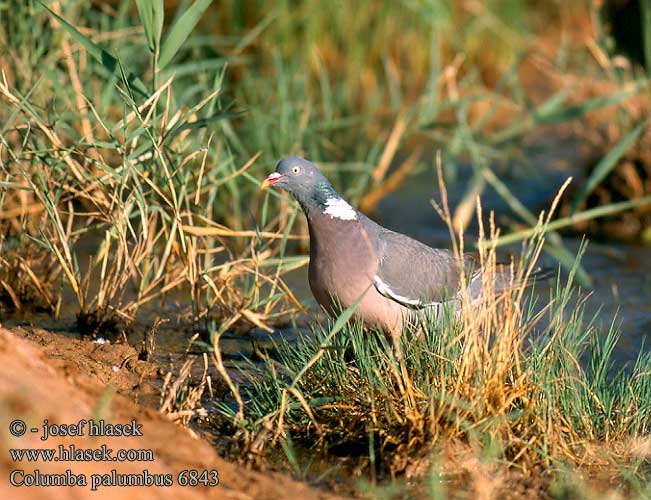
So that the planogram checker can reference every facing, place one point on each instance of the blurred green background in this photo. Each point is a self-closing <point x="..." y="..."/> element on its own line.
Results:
<point x="121" y="116"/>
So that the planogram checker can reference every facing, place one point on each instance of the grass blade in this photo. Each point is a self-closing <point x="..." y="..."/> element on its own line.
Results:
<point x="147" y="19"/>
<point x="551" y="111"/>
<point x="570" y="220"/>
<point x="180" y="31"/>
<point x="98" y="53"/>
<point x="343" y="318"/>
<point x="645" y="6"/>
<point x="606" y="164"/>
<point x="203" y="122"/>
<point x="578" y="110"/>
<point x="151" y="15"/>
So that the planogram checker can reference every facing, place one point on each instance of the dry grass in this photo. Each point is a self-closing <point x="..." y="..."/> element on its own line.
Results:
<point x="523" y="387"/>
<point x="139" y="202"/>
<point x="181" y="396"/>
<point x="125" y="182"/>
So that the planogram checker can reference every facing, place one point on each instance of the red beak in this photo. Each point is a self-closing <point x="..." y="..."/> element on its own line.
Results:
<point x="271" y="180"/>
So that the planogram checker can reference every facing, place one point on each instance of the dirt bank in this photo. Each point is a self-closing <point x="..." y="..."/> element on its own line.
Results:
<point x="67" y="381"/>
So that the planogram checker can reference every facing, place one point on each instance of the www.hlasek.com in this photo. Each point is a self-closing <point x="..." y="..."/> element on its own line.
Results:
<point x="71" y="453"/>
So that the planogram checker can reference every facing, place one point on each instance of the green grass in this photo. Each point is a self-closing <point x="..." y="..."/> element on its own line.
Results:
<point x="132" y="126"/>
<point x="518" y="393"/>
<point x="133" y="139"/>
<point x="121" y="152"/>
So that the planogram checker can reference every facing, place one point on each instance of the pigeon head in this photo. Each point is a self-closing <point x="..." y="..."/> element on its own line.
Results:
<point x="303" y="180"/>
<point x="296" y="176"/>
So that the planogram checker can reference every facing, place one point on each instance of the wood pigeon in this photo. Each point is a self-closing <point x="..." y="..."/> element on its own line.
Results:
<point x="351" y="256"/>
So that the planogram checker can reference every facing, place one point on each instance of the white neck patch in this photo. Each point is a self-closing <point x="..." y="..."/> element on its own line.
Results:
<point x="339" y="208"/>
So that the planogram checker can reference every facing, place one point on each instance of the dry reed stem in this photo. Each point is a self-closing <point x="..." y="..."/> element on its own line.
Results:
<point x="369" y="201"/>
<point x="230" y="233"/>
<point x="498" y="368"/>
<point x="80" y="100"/>
<point x="57" y="144"/>
<point x="464" y="210"/>
<point x="192" y="394"/>
<point x="221" y="369"/>
<point x="390" y="148"/>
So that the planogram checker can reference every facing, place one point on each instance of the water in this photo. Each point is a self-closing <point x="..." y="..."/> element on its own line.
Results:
<point x="621" y="272"/>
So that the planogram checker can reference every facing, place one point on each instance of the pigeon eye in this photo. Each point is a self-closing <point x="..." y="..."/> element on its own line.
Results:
<point x="296" y="169"/>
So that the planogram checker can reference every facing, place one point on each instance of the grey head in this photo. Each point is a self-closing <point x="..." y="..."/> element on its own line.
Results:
<point x="303" y="180"/>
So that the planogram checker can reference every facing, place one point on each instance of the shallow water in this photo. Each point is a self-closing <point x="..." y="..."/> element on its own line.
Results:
<point x="621" y="273"/>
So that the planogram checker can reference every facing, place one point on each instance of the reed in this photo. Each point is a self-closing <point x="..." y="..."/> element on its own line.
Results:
<point x="527" y="384"/>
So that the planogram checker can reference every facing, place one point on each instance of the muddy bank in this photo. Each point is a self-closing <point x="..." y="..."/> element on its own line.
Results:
<point x="47" y="376"/>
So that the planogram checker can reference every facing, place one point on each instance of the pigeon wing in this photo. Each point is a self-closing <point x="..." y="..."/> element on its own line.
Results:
<point x="414" y="274"/>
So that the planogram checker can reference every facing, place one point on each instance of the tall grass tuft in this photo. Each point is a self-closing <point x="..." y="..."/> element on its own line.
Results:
<point x="523" y="382"/>
<point x="114" y="155"/>
<point x="124" y="128"/>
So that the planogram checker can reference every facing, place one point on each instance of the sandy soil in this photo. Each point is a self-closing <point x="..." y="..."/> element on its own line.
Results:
<point x="45" y="375"/>
<point x="48" y="376"/>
